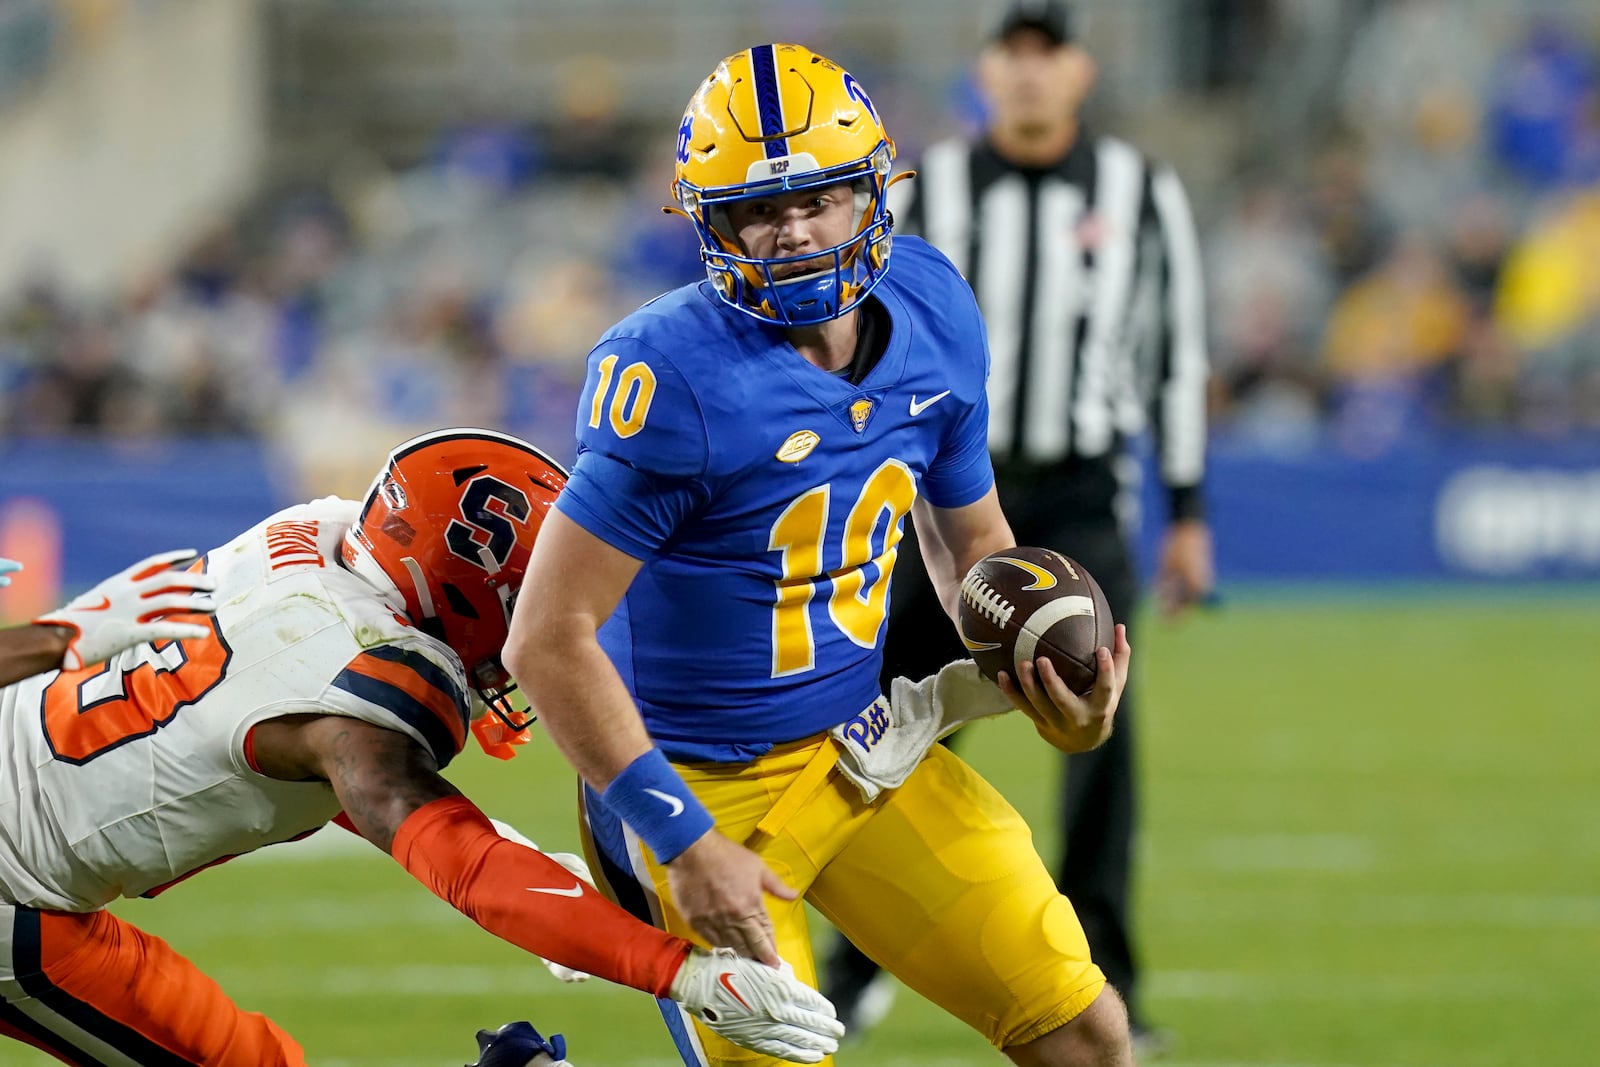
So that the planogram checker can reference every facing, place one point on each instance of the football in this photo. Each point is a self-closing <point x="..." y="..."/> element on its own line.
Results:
<point x="1020" y="604"/>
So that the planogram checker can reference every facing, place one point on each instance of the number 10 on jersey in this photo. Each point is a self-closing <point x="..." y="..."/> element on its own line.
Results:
<point x="856" y="606"/>
<point x="630" y="404"/>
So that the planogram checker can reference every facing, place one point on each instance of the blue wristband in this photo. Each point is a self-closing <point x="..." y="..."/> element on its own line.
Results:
<point x="652" y="798"/>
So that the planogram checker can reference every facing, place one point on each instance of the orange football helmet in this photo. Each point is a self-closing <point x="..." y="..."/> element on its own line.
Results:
<point x="450" y="521"/>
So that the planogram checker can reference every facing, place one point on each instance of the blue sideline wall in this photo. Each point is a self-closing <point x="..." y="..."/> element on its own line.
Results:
<point x="1474" y="509"/>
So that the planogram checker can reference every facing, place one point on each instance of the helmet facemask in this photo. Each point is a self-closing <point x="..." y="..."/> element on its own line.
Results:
<point x="489" y="677"/>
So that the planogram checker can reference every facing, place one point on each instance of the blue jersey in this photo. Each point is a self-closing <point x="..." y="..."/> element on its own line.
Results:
<point x="766" y="497"/>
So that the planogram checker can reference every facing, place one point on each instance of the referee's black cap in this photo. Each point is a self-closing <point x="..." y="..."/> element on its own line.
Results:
<point x="1053" y="18"/>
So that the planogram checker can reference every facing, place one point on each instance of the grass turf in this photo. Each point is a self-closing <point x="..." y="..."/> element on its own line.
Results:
<point x="1370" y="840"/>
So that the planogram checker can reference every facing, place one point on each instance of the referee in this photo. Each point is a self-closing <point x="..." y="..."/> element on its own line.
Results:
<point x="1085" y="262"/>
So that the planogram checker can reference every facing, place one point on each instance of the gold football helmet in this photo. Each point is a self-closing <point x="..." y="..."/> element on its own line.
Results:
<point x="770" y="120"/>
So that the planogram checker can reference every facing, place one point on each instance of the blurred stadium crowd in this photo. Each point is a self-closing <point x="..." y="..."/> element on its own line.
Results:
<point x="1400" y="211"/>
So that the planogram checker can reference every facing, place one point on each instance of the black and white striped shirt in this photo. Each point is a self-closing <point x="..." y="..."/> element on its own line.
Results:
<point x="1088" y="275"/>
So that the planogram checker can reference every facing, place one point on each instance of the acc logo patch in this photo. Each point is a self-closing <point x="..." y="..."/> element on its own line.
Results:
<point x="798" y="446"/>
<point x="860" y="412"/>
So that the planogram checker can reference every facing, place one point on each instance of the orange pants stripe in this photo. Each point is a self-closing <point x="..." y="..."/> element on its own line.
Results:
<point x="93" y="990"/>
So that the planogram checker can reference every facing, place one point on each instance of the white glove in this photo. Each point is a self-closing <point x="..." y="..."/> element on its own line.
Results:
<point x="879" y="748"/>
<point x="765" y="1009"/>
<point x="572" y="863"/>
<point x="8" y="566"/>
<point x="130" y="609"/>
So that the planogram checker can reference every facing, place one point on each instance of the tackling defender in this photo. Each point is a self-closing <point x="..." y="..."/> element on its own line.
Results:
<point x="332" y="681"/>
<point x="706" y="600"/>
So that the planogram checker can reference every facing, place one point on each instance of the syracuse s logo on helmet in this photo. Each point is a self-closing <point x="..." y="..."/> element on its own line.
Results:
<point x="489" y="507"/>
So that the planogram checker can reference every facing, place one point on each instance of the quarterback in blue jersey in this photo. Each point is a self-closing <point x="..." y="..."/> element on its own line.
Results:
<point x="706" y="601"/>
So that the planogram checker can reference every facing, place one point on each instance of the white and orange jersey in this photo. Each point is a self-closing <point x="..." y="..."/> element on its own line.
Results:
<point x="124" y="777"/>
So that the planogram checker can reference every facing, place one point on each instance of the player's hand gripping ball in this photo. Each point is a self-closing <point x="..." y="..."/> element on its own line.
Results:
<point x="1021" y="604"/>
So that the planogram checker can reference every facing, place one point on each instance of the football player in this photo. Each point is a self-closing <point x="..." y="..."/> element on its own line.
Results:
<point x="706" y="601"/>
<point x="333" y="681"/>
<point x="127" y="609"/>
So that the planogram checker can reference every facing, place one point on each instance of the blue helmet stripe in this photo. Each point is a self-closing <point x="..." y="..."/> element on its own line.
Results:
<point x="764" y="63"/>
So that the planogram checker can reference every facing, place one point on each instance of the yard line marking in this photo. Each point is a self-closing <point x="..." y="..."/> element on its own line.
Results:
<point x="1291" y="852"/>
<point x="1364" y="910"/>
<point x="1352" y="988"/>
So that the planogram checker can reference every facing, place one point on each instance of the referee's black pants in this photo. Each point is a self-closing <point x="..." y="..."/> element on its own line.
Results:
<point x="1099" y="789"/>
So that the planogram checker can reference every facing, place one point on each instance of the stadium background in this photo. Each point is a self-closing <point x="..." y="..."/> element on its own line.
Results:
<point x="247" y="246"/>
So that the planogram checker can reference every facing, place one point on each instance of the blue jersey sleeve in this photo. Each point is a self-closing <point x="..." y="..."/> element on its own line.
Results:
<point x="631" y="510"/>
<point x="637" y="408"/>
<point x="642" y="449"/>
<point x="962" y="472"/>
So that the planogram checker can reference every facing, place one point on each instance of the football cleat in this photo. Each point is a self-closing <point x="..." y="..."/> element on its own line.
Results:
<point x="774" y="119"/>
<point x="520" y="1045"/>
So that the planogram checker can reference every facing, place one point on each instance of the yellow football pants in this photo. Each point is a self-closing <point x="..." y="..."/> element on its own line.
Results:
<point x="937" y="880"/>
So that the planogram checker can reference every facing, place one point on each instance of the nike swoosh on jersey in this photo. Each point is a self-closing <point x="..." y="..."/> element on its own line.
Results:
<point x="104" y="605"/>
<point x="919" y="408"/>
<point x="575" y="891"/>
<point x="669" y="800"/>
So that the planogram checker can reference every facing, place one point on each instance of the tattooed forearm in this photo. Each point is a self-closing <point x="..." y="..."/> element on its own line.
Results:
<point x="380" y="777"/>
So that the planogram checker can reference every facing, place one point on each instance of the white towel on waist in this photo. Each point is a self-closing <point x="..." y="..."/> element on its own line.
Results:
<point x="879" y="748"/>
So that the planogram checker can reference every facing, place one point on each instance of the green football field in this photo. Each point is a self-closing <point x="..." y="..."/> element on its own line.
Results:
<point x="1372" y="839"/>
